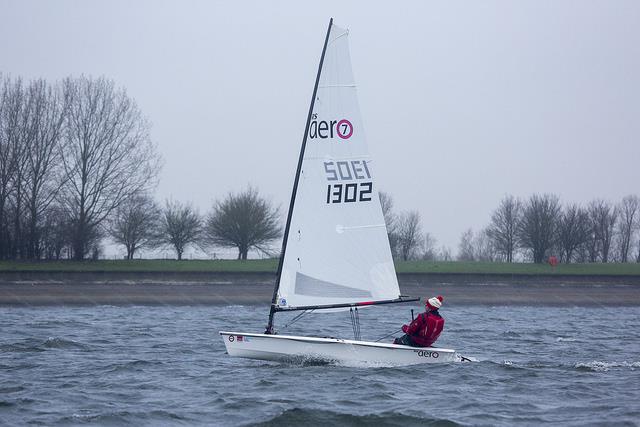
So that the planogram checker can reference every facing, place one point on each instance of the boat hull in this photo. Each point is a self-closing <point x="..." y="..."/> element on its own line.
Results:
<point x="285" y="348"/>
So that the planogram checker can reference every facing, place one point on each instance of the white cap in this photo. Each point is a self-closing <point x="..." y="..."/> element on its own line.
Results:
<point x="435" y="302"/>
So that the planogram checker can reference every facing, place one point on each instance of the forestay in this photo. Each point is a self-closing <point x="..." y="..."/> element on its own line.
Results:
<point x="337" y="250"/>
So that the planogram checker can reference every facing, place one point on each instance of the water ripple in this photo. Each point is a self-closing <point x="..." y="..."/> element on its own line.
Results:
<point x="167" y="366"/>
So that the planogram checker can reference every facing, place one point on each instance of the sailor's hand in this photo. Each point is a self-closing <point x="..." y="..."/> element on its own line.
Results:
<point x="404" y="328"/>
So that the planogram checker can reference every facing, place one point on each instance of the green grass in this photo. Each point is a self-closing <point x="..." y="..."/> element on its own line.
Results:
<point x="270" y="265"/>
<point x="459" y="267"/>
<point x="142" y="265"/>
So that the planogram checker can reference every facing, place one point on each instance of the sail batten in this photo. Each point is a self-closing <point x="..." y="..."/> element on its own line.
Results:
<point x="336" y="249"/>
<point x="329" y="158"/>
<point x="327" y="86"/>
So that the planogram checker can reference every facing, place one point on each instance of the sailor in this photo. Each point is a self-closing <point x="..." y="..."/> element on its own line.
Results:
<point x="426" y="328"/>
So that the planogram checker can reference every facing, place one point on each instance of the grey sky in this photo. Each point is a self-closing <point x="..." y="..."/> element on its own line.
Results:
<point x="462" y="101"/>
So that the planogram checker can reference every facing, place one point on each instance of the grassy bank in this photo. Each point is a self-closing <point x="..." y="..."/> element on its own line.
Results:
<point x="456" y="267"/>
<point x="143" y="265"/>
<point x="270" y="265"/>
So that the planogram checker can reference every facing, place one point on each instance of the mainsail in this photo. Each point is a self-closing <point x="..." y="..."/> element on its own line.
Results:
<point x="336" y="249"/>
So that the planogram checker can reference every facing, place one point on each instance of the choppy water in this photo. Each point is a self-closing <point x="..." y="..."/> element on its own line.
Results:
<point x="166" y="366"/>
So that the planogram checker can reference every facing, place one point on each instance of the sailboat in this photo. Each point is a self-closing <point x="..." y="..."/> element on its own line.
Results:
<point x="335" y="252"/>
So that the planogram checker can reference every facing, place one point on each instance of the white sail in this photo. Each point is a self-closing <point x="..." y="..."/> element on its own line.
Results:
<point x="337" y="250"/>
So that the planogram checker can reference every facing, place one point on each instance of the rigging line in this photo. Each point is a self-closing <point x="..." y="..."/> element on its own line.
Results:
<point x="386" y="336"/>
<point x="351" y="315"/>
<point x="353" y="323"/>
<point x="295" y="319"/>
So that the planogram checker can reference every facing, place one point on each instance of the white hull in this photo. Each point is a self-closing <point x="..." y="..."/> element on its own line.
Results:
<point x="296" y="348"/>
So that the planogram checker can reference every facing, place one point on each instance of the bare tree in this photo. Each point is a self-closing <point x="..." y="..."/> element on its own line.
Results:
<point x="483" y="247"/>
<point x="10" y="111"/>
<point x="603" y="218"/>
<point x="537" y="228"/>
<point x="409" y="232"/>
<point x="466" y="250"/>
<point x="573" y="231"/>
<point x="629" y="210"/>
<point x="31" y="120"/>
<point x="591" y="248"/>
<point x="244" y="221"/>
<point x="444" y="254"/>
<point x="476" y="247"/>
<point x="429" y="251"/>
<point x="180" y="226"/>
<point x="503" y="230"/>
<point x="108" y="155"/>
<point x="135" y="223"/>
<point x="637" y="227"/>
<point x="26" y="136"/>
<point x="42" y="178"/>
<point x="55" y="233"/>
<point x="638" y="247"/>
<point x="12" y="134"/>
<point x="391" y="221"/>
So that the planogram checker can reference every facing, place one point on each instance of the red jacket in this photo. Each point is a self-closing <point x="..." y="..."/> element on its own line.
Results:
<point x="425" y="329"/>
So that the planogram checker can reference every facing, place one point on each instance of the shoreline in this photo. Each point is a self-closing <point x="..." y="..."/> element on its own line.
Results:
<point x="270" y="265"/>
<point x="180" y="288"/>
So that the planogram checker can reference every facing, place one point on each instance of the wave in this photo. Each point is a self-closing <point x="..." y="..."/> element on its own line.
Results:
<point x="124" y="417"/>
<point x="309" y="361"/>
<point x="11" y="389"/>
<point x="528" y="368"/>
<point x="56" y="342"/>
<point x="368" y="364"/>
<point x="601" y="366"/>
<point x="302" y="416"/>
<point x="539" y="365"/>
<point x="131" y="365"/>
<point x="34" y="345"/>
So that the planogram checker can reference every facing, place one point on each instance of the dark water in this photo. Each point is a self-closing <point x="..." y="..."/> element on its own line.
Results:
<point x="155" y="366"/>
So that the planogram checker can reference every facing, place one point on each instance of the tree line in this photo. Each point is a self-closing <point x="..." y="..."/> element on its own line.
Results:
<point x="244" y="221"/>
<point x="530" y="230"/>
<point x="542" y="226"/>
<point x="77" y="165"/>
<point x="70" y="153"/>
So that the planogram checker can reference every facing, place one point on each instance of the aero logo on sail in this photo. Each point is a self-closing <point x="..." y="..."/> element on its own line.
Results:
<point x="329" y="129"/>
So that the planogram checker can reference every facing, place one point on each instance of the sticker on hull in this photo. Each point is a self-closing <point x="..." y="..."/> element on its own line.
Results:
<point x="426" y="353"/>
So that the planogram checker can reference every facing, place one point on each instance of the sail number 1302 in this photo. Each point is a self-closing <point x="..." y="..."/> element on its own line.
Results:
<point x="348" y="192"/>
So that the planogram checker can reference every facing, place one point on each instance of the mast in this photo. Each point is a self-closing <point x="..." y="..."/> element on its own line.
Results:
<point x="272" y="310"/>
